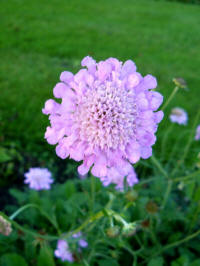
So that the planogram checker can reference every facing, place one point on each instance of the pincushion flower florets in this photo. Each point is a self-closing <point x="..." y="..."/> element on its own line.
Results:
<point x="106" y="118"/>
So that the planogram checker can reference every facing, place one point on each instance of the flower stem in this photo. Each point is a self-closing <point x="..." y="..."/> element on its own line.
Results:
<point x="177" y="243"/>
<point x="17" y="212"/>
<point x="170" y="97"/>
<point x="30" y="232"/>
<point x="166" y="196"/>
<point x="23" y="208"/>
<point x="191" y="137"/>
<point x="184" y="178"/>
<point x="165" y="138"/>
<point x="159" y="166"/>
<point x="92" y="180"/>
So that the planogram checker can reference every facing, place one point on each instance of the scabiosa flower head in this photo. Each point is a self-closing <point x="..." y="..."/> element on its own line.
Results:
<point x="106" y="118"/>
<point x="63" y="251"/>
<point x="197" y="136"/>
<point x="178" y="115"/>
<point x="38" y="178"/>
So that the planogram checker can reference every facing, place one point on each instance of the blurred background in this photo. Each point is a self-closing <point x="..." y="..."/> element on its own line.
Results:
<point x="39" y="39"/>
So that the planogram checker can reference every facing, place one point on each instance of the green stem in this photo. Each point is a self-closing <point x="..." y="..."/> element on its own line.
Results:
<point x="177" y="243"/>
<point x="17" y="212"/>
<point x="96" y="216"/>
<point x="184" y="178"/>
<point x="30" y="232"/>
<point x="23" y="208"/>
<point x="194" y="217"/>
<point x="166" y="196"/>
<point x="176" y="147"/>
<point x="164" y="140"/>
<point x="85" y="262"/>
<point x="177" y="179"/>
<point x="159" y="166"/>
<point x="116" y="216"/>
<point x="92" y="193"/>
<point x="170" y="97"/>
<point x="191" y="138"/>
<point x="153" y="236"/>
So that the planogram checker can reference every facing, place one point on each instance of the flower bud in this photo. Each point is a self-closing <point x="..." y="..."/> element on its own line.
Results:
<point x="129" y="229"/>
<point x="181" y="83"/>
<point x="145" y="224"/>
<point x="113" y="231"/>
<point x="152" y="207"/>
<point x="5" y="227"/>
<point x="131" y="195"/>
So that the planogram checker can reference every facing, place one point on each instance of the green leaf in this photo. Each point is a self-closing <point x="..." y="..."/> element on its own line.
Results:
<point x="197" y="194"/>
<point x="69" y="189"/>
<point x="108" y="262"/>
<point x="156" y="262"/>
<point x="4" y="155"/>
<point x="12" y="259"/>
<point x="45" y="257"/>
<point x="181" y="261"/>
<point x="195" y="263"/>
<point x="190" y="189"/>
<point x="18" y="195"/>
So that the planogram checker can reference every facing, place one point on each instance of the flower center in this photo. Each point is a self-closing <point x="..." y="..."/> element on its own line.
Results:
<point x="106" y="116"/>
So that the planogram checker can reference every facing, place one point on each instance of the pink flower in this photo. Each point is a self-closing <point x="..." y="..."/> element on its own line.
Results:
<point x="82" y="242"/>
<point x="38" y="178"/>
<point x="179" y="116"/>
<point x="106" y="118"/>
<point x="197" y="136"/>
<point x="63" y="251"/>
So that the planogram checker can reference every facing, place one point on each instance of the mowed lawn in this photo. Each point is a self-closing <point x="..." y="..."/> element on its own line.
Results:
<point x="39" y="39"/>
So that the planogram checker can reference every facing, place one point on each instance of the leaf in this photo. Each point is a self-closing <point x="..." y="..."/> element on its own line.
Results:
<point x="18" y="195"/>
<point x="4" y="155"/>
<point x="45" y="257"/>
<point x="12" y="259"/>
<point x="181" y="261"/>
<point x="195" y="263"/>
<point x="156" y="262"/>
<point x="69" y="189"/>
<point x="108" y="262"/>
<point x="197" y="194"/>
<point x="190" y="189"/>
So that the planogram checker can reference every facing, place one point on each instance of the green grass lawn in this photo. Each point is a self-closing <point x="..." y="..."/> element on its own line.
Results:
<point x="39" y="39"/>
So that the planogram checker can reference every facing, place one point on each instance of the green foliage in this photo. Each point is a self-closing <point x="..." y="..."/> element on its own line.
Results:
<point x="156" y="223"/>
<point x="185" y="1"/>
<point x="12" y="259"/>
<point x="152" y="232"/>
<point x="159" y="261"/>
<point x="45" y="257"/>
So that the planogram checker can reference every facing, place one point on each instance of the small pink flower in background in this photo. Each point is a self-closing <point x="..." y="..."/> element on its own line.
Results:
<point x="197" y="136"/>
<point x="179" y="116"/>
<point x="63" y="251"/>
<point x="106" y="118"/>
<point x="82" y="243"/>
<point x="38" y="178"/>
